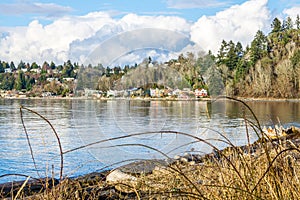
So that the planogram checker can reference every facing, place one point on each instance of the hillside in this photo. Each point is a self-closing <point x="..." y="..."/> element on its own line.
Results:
<point x="270" y="67"/>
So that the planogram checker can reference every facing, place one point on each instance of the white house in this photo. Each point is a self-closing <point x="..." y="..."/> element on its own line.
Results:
<point x="201" y="93"/>
<point x="7" y="70"/>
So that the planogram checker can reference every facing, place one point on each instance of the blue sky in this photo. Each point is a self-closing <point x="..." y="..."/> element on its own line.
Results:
<point x="58" y="30"/>
<point x="21" y="13"/>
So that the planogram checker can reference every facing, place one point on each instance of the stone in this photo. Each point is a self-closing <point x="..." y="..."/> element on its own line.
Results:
<point x="122" y="182"/>
<point x="117" y="176"/>
<point x="143" y="167"/>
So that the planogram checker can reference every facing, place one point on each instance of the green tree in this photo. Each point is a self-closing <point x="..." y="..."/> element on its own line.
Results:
<point x="52" y="65"/>
<point x="12" y="66"/>
<point x="20" y="82"/>
<point x="2" y="70"/>
<point x="289" y="23"/>
<point x="68" y="69"/>
<point x="258" y="46"/>
<point x="297" y="22"/>
<point x="7" y="81"/>
<point x="21" y="65"/>
<point x="5" y="65"/>
<point x="221" y="56"/>
<point x="34" y="66"/>
<point x="232" y="56"/>
<point x="276" y="25"/>
<point x="29" y="83"/>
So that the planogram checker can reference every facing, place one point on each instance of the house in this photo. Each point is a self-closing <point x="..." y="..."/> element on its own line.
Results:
<point x="153" y="92"/>
<point x="136" y="92"/>
<point x="7" y="70"/>
<point x="201" y="93"/>
<point x="176" y="92"/>
<point x="24" y="70"/>
<point x="111" y="93"/>
<point x="157" y="92"/>
<point x="37" y="70"/>
<point x="46" y="94"/>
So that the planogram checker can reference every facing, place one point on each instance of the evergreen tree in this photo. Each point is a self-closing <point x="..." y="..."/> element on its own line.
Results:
<point x="284" y="25"/>
<point x="232" y="56"/>
<point x="21" y="65"/>
<point x="20" y="82"/>
<point x="68" y="69"/>
<point x="258" y="46"/>
<point x="52" y="65"/>
<point x="297" y="22"/>
<point x="239" y="48"/>
<point x="5" y="65"/>
<point x="34" y="66"/>
<point x="2" y="70"/>
<point x="7" y="81"/>
<point x="276" y="25"/>
<point x="289" y="23"/>
<point x="29" y="83"/>
<point x="12" y="66"/>
<point x="222" y="52"/>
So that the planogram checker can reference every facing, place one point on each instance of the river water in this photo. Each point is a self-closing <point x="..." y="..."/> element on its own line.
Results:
<point x="123" y="131"/>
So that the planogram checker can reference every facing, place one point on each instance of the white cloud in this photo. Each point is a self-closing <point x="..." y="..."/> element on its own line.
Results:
<point x="75" y="37"/>
<point x="292" y="12"/>
<point x="238" y="23"/>
<point x="184" y="4"/>
<point x="51" y="42"/>
<point x="47" y="9"/>
<point x="133" y="32"/>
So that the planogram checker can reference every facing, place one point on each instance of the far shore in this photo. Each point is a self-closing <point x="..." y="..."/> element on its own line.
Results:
<point x="246" y="99"/>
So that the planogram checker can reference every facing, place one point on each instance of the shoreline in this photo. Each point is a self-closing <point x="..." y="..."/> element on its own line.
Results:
<point x="246" y="99"/>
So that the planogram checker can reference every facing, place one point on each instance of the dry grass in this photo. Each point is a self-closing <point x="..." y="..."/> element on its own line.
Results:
<point x="238" y="176"/>
<point x="234" y="176"/>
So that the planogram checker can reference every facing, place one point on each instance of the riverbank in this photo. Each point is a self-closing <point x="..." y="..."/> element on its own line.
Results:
<point x="246" y="99"/>
<point x="267" y="169"/>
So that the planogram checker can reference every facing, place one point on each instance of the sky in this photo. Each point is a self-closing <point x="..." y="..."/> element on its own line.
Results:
<point x="110" y="31"/>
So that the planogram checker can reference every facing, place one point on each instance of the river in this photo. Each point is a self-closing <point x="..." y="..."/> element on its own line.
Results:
<point x="81" y="122"/>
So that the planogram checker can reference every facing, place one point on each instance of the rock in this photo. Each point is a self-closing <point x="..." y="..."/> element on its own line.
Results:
<point x="117" y="176"/>
<point x="123" y="182"/>
<point x="143" y="167"/>
<point x="183" y="159"/>
<point x="125" y="178"/>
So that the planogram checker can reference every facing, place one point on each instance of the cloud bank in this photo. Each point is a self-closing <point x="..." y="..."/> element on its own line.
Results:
<point x="76" y="37"/>
<point x="238" y="23"/>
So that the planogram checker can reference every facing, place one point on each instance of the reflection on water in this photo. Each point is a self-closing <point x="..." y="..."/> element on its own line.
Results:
<point x="81" y="122"/>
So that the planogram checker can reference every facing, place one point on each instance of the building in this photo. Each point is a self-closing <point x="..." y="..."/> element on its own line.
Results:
<point x="201" y="93"/>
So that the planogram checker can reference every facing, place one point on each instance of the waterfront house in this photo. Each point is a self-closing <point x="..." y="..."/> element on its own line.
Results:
<point x="201" y="93"/>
